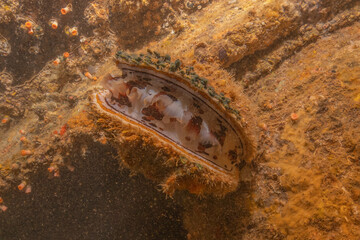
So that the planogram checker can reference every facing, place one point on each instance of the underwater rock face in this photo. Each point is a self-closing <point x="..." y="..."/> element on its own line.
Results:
<point x="287" y="57"/>
<point x="176" y="111"/>
<point x="5" y="47"/>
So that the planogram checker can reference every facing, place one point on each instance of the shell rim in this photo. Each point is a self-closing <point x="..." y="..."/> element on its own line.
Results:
<point x="179" y="149"/>
<point x="248" y="150"/>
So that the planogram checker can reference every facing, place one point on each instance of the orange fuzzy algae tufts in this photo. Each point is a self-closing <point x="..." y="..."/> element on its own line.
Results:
<point x="81" y="120"/>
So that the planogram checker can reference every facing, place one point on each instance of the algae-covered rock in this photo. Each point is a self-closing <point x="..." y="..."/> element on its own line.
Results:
<point x="285" y="71"/>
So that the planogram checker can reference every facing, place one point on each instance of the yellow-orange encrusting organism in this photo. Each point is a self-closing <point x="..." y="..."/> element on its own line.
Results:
<point x="51" y="169"/>
<point x="66" y="9"/>
<point x="56" y="173"/>
<point x="1" y="200"/>
<point x="28" y="24"/>
<point x="31" y="31"/>
<point x="102" y="140"/>
<point x="56" y="61"/>
<point x="294" y="116"/>
<point x="28" y="189"/>
<point x="53" y="23"/>
<point x="26" y="152"/>
<point x="21" y="186"/>
<point x="71" y="31"/>
<point x="15" y="166"/>
<point x="88" y="75"/>
<point x="66" y="54"/>
<point x="3" y="208"/>
<point x="74" y="31"/>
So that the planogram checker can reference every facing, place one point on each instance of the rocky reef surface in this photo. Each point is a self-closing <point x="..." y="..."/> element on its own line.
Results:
<point x="292" y="67"/>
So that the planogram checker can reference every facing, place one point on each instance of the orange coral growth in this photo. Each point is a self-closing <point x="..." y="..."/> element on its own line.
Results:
<point x="56" y="61"/>
<point x="102" y="140"/>
<point x="63" y="129"/>
<point x="66" y="9"/>
<point x="74" y="31"/>
<point x="26" y="152"/>
<point x="294" y="116"/>
<point x="28" y="189"/>
<point x="54" y="24"/>
<point x="28" y="24"/>
<point x="21" y="186"/>
<point x="4" y="120"/>
<point x="88" y="75"/>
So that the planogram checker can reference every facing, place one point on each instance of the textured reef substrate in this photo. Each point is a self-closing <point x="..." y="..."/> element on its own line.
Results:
<point x="292" y="64"/>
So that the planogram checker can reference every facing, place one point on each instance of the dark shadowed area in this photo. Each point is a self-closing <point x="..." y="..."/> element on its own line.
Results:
<point x="95" y="201"/>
